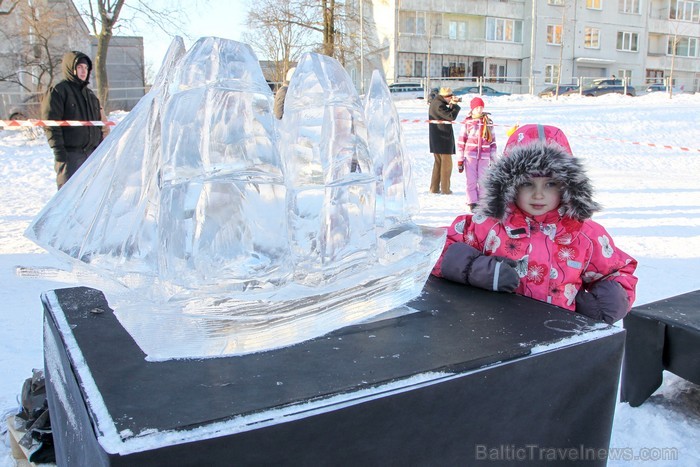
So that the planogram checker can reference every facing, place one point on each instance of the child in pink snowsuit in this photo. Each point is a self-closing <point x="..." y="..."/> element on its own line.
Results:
<point x="533" y="235"/>
<point x="477" y="145"/>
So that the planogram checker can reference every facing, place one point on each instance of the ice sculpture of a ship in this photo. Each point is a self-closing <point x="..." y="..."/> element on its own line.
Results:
<point x="235" y="232"/>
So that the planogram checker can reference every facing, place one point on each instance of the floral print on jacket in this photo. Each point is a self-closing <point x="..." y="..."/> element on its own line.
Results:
<point x="556" y="256"/>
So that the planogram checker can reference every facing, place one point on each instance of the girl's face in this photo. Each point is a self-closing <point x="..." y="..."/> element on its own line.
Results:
<point x="477" y="111"/>
<point x="538" y="196"/>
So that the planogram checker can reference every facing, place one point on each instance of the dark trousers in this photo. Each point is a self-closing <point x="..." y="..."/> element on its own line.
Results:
<point x="66" y="169"/>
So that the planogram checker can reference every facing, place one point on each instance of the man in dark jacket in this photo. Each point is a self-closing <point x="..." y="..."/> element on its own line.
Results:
<point x="71" y="99"/>
<point x="442" y="139"/>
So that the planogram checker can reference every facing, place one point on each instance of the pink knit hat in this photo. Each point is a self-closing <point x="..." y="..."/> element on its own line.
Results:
<point x="476" y="102"/>
<point x="533" y="132"/>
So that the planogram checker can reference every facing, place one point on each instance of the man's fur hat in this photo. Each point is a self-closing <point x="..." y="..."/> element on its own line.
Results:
<point x="538" y="157"/>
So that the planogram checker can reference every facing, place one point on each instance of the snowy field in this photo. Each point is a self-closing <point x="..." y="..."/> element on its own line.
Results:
<point x="650" y="194"/>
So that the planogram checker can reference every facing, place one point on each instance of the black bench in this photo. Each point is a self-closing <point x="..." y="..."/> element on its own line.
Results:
<point x="663" y="335"/>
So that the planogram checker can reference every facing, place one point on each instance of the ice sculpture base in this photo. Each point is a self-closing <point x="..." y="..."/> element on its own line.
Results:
<point x="469" y="370"/>
<point x="216" y="325"/>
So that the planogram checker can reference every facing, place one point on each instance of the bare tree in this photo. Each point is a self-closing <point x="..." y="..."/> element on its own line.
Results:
<point x="35" y="43"/>
<point x="347" y="41"/>
<point x="105" y="17"/>
<point x="561" y="53"/>
<point x="675" y="38"/>
<point x="284" y="28"/>
<point x="282" y="32"/>
<point x="7" y="10"/>
<point x="328" y="7"/>
<point x="341" y="23"/>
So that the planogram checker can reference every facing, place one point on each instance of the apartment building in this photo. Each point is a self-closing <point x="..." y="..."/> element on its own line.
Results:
<point x="525" y="45"/>
<point x="673" y="25"/>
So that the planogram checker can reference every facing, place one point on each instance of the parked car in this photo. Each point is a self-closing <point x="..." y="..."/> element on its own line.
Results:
<point x="550" y="91"/>
<point x="663" y="88"/>
<point x="485" y="91"/>
<point x="405" y="87"/>
<point x="600" y="87"/>
<point x="406" y="90"/>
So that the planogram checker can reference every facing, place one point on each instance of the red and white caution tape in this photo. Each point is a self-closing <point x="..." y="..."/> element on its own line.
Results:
<point x="636" y="143"/>
<point x="63" y="123"/>
<point x="43" y="123"/>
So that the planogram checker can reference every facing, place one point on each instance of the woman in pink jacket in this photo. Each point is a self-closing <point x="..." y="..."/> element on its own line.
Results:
<point x="532" y="233"/>
<point x="476" y="148"/>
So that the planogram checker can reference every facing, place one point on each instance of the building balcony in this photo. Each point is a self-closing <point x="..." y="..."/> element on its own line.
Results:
<point x="473" y="48"/>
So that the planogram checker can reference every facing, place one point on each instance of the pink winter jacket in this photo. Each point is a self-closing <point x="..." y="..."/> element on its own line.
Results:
<point x="555" y="256"/>
<point x="471" y="143"/>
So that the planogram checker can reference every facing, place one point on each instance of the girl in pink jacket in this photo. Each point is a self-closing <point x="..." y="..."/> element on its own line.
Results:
<point x="476" y="148"/>
<point x="532" y="233"/>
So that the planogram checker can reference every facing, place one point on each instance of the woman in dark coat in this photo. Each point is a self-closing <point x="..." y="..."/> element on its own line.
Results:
<point x="442" y="139"/>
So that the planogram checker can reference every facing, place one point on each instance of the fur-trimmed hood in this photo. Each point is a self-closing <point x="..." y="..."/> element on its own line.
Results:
<point x="537" y="159"/>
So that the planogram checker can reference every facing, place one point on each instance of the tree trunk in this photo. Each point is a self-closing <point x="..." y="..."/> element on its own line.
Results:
<point x="101" y="69"/>
<point x="328" y="27"/>
<point x="108" y="16"/>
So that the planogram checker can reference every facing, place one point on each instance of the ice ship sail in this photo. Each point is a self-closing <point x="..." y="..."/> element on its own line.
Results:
<point x="222" y="217"/>
<point x="397" y="199"/>
<point x="329" y="173"/>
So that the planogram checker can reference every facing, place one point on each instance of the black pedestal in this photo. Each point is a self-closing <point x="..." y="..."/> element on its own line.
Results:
<point x="473" y="377"/>
<point x="664" y="335"/>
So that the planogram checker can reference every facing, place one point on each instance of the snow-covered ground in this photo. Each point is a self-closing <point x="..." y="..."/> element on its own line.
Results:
<point x="650" y="193"/>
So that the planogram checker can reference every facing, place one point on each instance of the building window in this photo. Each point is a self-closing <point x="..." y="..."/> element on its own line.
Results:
<point x="496" y="72"/>
<point x="683" y="10"/>
<point x="405" y="67"/>
<point x="624" y="75"/>
<point x="554" y="34"/>
<point x="592" y="38"/>
<point x="629" y="6"/>
<point x="627" y="41"/>
<point x="594" y="4"/>
<point x="655" y="76"/>
<point x="408" y="22"/>
<point x="504" y="30"/>
<point x="418" y="68"/>
<point x="555" y="2"/>
<point x="420" y="24"/>
<point x="413" y="22"/>
<point x="685" y="46"/>
<point x="458" y="30"/>
<point x="551" y="74"/>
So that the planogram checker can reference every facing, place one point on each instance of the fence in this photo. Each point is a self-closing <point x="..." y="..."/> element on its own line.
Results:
<point x="521" y="84"/>
<point x="19" y="105"/>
